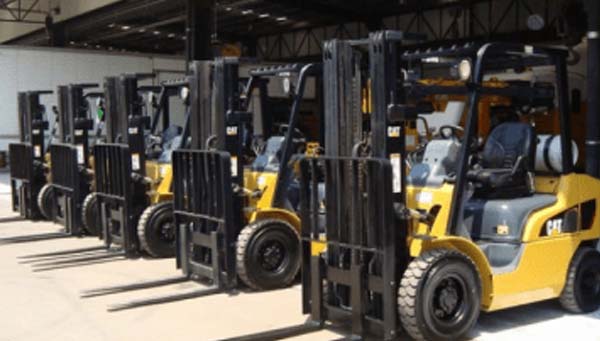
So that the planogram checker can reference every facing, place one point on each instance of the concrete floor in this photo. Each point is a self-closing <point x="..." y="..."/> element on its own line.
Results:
<point x="46" y="305"/>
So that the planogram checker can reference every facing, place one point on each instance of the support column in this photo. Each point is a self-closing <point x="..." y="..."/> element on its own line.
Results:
<point x="199" y="29"/>
<point x="592" y="142"/>
<point x="56" y="32"/>
<point x="250" y="47"/>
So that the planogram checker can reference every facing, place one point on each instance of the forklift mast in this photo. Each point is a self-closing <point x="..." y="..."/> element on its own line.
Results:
<point x="364" y="220"/>
<point x="32" y="123"/>
<point x="27" y="170"/>
<point x="125" y="118"/>
<point x="120" y="163"/>
<point x="74" y="120"/>
<point x="217" y="119"/>
<point x="69" y="157"/>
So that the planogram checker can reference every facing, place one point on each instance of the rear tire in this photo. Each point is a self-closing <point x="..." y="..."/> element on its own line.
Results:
<point x="90" y="215"/>
<point x="582" y="290"/>
<point x="268" y="254"/>
<point x="439" y="296"/>
<point x="46" y="201"/>
<point x="156" y="230"/>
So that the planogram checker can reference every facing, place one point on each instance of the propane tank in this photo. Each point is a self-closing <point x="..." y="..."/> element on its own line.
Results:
<point x="548" y="154"/>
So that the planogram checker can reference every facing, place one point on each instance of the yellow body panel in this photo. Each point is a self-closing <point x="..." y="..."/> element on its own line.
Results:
<point x="260" y="206"/>
<point x="161" y="175"/>
<point x="261" y="183"/>
<point x="540" y="275"/>
<point x="542" y="270"/>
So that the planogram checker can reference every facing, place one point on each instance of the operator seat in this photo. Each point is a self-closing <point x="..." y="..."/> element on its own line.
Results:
<point x="507" y="163"/>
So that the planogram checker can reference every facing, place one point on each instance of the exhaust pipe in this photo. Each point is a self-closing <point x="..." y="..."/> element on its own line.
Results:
<point x="592" y="143"/>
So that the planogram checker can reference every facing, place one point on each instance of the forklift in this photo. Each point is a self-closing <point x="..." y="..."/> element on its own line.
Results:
<point x="132" y="170"/>
<point x="477" y="225"/>
<point x="69" y="179"/>
<point x="250" y="228"/>
<point x="235" y="194"/>
<point x="28" y="157"/>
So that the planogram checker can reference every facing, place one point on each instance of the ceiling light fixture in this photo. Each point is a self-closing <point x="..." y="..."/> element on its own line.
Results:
<point x="125" y="27"/>
<point x="247" y="11"/>
<point x="264" y="15"/>
<point x="281" y="19"/>
<point x="142" y="30"/>
<point x="156" y="33"/>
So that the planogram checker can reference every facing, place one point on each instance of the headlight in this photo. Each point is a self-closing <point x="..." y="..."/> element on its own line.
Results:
<point x="184" y="93"/>
<point x="286" y="84"/>
<point x="464" y="70"/>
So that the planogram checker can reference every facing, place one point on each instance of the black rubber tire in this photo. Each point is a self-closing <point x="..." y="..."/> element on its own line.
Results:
<point x="581" y="293"/>
<point x="420" y="299"/>
<point x="268" y="235"/>
<point x="46" y="201"/>
<point x="151" y="230"/>
<point x="90" y="215"/>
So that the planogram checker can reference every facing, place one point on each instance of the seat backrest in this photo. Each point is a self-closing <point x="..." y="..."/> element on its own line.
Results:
<point x="506" y="143"/>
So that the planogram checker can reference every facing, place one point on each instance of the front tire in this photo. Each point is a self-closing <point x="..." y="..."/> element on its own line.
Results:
<point x="268" y="254"/>
<point x="439" y="296"/>
<point x="582" y="290"/>
<point x="46" y="201"/>
<point x="156" y="230"/>
<point x="91" y="215"/>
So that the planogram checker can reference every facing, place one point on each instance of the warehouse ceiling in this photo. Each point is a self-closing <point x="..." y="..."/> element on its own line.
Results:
<point x="159" y="25"/>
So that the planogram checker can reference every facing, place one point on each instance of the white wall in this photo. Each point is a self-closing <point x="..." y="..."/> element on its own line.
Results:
<point x="24" y="69"/>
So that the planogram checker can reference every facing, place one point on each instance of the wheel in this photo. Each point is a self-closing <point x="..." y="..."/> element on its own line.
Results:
<point x="90" y="215"/>
<point x="156" y="230"/>
<point x="439" y="296"/>
<point x="46" y="201"/>
<point x="582" y="290"/>
<point x="268" y="254"/>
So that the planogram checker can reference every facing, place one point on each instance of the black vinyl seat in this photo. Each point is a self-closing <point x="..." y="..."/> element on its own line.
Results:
<point x="506" y="163"/>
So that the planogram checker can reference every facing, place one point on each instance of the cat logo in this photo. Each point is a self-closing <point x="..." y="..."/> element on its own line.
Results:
<point x="394" y="132"/>
<point x="232" y="130"/>
<point x="503" y="230"/>
<point x="554" y="226"/>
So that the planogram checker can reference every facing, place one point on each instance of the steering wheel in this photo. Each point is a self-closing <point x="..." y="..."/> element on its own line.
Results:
<point x="297" y="134"/>
<point x="450" y="132"/>
<point x="153" y="143"/>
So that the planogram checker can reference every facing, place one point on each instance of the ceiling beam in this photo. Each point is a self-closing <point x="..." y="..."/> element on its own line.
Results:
<point x="136" y="30"/>
<point x="343" y="12"/>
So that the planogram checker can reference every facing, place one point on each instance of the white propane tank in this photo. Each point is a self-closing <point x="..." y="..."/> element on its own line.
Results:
<point x="548" y="154"/>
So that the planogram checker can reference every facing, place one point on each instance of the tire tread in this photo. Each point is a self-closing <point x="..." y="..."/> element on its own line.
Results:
<point x="243" y="241"/>
<point x="412" y="279"/>
<point x="143" y="224"/>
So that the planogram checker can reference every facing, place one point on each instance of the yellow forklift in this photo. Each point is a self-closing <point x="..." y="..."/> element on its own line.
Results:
<point x="260" y="225"/>
<point x="477" y="225"/>
<point x="68" y="181"/>
<point x="133" y="169"/>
